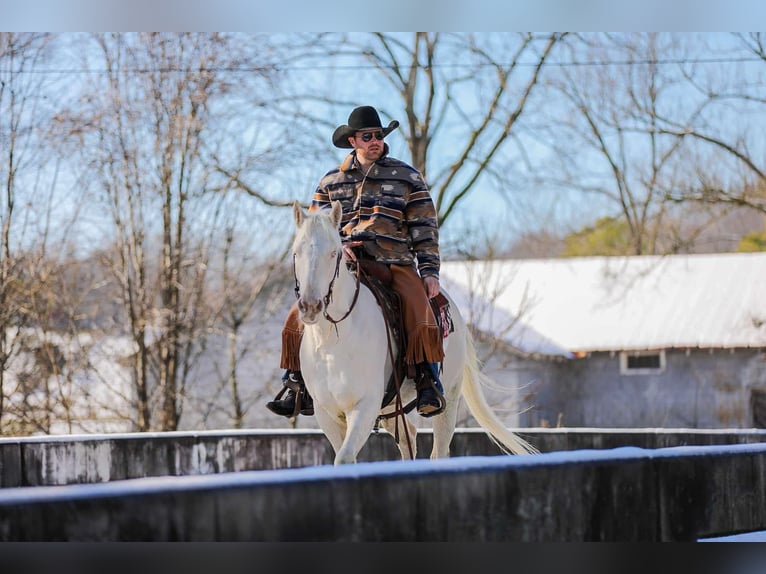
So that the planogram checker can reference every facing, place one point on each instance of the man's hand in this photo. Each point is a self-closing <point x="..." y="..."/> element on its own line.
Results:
<point x="431" y="285"/>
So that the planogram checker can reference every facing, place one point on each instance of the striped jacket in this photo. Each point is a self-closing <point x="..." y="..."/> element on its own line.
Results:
<point x="392" y="202"/>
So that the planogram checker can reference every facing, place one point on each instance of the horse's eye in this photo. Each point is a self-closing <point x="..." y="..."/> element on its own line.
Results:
<point x="333" y="254"/>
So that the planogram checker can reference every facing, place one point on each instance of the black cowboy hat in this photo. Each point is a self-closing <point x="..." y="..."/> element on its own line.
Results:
<point x="362" y="118"/>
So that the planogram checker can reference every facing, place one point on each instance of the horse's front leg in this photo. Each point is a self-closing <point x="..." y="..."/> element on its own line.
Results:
<point x="359" y="424"/>
<point x="333" y="425"/>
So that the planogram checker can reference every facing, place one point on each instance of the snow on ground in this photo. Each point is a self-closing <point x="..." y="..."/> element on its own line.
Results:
<point x="746" y="537"/>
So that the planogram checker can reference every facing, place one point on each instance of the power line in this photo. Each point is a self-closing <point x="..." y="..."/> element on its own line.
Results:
<point x="354" y="67"/>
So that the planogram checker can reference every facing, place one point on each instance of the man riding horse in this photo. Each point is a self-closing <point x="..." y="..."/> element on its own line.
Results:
<point x="388" y="212"/>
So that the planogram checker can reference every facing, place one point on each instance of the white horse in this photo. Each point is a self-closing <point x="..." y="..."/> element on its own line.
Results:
<point x="345" y="360"/>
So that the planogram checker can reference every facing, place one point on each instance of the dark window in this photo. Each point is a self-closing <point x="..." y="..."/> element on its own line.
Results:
<point x="644" y="362"/>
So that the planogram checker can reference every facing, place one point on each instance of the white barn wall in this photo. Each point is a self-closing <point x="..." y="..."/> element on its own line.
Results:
<point x="701" y="389"/>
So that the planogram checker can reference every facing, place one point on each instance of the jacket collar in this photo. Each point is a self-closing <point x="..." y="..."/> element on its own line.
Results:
<point x="350" y="162"/>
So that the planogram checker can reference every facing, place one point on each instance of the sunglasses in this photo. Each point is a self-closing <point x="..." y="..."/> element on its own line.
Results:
<point x="367" y="136"/>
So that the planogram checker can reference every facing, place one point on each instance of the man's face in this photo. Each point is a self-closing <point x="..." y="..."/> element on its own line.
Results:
<point x="368" y="144"/>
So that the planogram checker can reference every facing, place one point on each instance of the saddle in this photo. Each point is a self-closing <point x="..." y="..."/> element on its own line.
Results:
<point x="378" y="278"/>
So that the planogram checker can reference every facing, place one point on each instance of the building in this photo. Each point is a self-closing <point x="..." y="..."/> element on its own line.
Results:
<point x="649" y="341"/>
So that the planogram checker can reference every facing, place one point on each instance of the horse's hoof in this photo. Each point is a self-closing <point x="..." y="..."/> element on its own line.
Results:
<point x="429" y="403"/>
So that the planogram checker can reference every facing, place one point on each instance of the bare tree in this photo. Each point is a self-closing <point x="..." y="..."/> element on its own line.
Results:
<point x="474" y="105"/>
<point x="23" y="111"/>
<point x="623" y="135"/>
<point x="245" y="294"/>
<point x="460" y="96"/>
<point x="726" y="126"/>
<point x="605" y="143"/>
<point x="145" y="137"/>
<point x="166" y="126"/>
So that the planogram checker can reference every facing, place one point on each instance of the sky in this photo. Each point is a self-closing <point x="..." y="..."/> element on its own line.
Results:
<point x="398" y="15"/>
<point x="309" y="15"/>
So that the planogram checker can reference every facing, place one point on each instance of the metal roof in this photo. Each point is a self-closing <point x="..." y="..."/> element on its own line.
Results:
<point x="566" y="306"/>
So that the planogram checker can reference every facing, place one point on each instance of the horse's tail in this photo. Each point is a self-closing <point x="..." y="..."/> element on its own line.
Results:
<point x="473" y="378"/>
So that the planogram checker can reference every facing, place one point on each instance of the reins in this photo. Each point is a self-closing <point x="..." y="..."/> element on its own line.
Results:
<point x="328" y="297"/>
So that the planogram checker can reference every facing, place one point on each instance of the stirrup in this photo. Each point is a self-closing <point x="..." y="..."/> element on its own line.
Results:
<point x="426" y="384"/>
<point x="296" y="390"/>
<point x="424" y="411"/>
<point x="304" y="404"/>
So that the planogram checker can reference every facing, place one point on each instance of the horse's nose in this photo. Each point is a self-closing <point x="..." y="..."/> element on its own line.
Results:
<point x="309" y="308"/>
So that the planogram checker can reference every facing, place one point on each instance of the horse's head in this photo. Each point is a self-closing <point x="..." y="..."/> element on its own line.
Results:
<point x="317" y="251"/>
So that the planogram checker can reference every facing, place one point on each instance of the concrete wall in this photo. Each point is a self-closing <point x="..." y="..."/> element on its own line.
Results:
<point x="41" y="461"/>
<point x="624" y="494"/>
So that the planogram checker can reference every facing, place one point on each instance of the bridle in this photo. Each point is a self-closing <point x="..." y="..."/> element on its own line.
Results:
<point x="328" y="297"/>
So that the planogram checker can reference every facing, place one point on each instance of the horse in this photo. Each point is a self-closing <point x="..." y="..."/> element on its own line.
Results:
<point x="345" y="359"/>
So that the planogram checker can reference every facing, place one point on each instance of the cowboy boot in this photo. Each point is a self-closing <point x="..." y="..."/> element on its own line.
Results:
<point x="297" y="400"/>
<point x="430" y="399"/>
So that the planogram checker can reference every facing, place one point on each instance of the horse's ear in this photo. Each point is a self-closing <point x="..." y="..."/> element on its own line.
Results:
<point x="298" y="214"/>
<point x="337" y="213"/>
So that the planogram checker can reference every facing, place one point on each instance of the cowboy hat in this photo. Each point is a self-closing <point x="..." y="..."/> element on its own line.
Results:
<point x="362" y="118"/>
